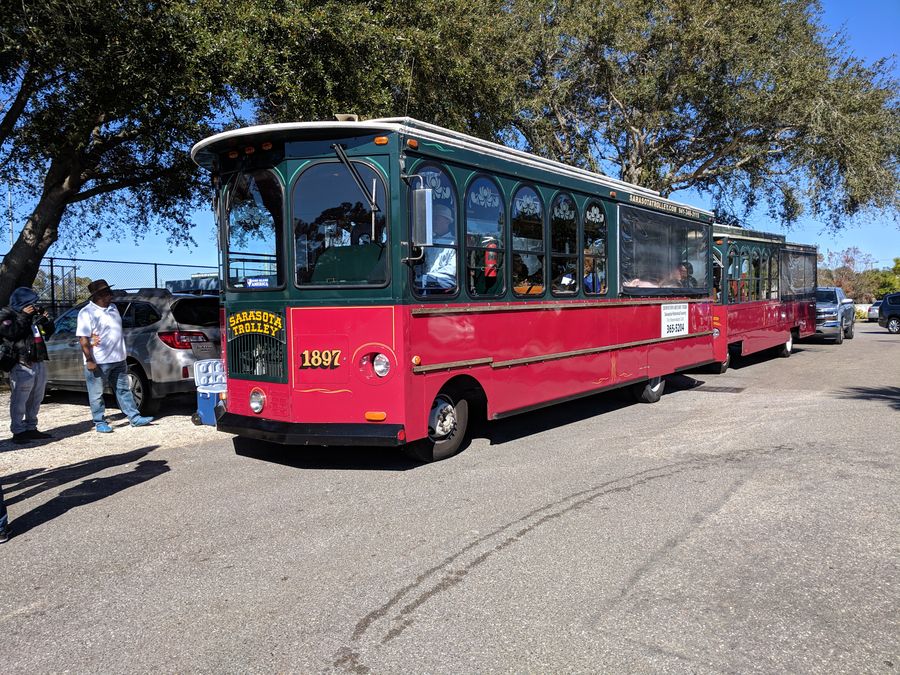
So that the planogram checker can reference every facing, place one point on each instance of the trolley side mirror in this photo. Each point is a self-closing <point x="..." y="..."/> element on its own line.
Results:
<point x="422" y="217"/>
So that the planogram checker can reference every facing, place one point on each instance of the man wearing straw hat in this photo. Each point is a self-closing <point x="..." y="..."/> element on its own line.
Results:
<point x="100" y="332"/>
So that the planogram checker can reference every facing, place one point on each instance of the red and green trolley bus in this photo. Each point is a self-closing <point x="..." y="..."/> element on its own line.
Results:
<point x="765" y="290"/>
<point x="385" y="280"/>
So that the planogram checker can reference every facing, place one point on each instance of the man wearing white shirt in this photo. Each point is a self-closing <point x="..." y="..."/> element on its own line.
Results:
<point x="100" y="333"/>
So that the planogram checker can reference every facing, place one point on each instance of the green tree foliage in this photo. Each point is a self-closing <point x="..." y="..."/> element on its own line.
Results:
<point x="750" y="102"/>
<point x="852" y="270"/>
<point x="103" y="99"/>
<point x="451" y="62"/>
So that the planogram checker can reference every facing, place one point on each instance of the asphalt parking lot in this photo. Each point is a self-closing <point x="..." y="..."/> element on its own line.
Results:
<point x="748" y="522"/>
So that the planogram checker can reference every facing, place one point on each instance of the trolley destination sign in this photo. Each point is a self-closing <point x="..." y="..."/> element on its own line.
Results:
<point x="671" y="207"/>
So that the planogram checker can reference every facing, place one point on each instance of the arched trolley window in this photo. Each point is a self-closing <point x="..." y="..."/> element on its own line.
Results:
<point x="436" y="273"/>
<point x="527" y="223"/>
<point x="485" y="238"/>
<point x="595" y="257"/>
<point x="564" y="246"/>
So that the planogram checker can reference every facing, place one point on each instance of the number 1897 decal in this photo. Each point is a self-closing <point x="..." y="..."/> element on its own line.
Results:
<point x="324" y="358"/>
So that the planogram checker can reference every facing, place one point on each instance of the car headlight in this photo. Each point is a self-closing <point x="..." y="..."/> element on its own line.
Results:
<point x="381" y="365"/>
<point x="257" y="400"/>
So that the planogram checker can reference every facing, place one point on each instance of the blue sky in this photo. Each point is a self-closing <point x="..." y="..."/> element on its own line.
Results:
<point x="872" y="28"/>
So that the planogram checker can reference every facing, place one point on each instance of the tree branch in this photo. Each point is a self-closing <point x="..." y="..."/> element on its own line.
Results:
<point x="117" y="185"/>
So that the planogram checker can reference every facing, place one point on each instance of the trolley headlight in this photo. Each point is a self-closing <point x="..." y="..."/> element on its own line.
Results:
<point x="381" y="365"/>
<point x="257" y="400"/>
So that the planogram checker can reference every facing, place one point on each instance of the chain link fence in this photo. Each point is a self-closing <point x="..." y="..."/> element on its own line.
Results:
<point x="62" y="283"/>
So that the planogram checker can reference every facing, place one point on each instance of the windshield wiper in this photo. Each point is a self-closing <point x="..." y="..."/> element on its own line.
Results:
<point x="342" y="155"/>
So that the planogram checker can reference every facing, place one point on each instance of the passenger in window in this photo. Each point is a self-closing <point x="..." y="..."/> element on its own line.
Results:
<point x="593" y="279"/>
<point x="440" y="259"/>
<point x="688" y="280"/>
<point x="680" y="277"/>
<point x="640" y="283"/>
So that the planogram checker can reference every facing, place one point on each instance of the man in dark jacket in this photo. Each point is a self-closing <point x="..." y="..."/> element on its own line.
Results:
<point x="25" y="327"/>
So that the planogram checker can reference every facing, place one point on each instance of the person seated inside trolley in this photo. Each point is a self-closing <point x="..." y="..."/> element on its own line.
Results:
<point x="440" y="259"/>
<point x="593" y="282"/>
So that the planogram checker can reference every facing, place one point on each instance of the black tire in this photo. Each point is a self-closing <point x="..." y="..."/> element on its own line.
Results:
<point x="839" y="338"/>
<point x="448" y="422"/>
<point x="141" y="392"/>
<point x="787" y="348"/>
<point x="650" y="391"/>
<point x="849" y="332"/>
<point x="893" y="325"/>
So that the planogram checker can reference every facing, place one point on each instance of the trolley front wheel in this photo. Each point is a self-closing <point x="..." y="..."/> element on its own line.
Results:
<point x="448" y="421"/>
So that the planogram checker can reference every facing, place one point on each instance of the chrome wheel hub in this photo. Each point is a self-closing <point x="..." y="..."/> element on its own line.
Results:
<point x="442" y="420"/>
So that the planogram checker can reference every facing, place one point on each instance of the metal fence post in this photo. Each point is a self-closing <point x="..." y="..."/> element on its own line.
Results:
<point x="52" y="288"/>
<point x="155" y="276"/>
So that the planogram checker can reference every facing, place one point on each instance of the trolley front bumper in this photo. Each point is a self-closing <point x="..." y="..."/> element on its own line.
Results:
<point x="291" y="433"/>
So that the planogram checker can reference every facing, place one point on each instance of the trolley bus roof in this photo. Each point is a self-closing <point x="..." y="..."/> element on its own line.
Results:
<point x="205" y="152"/>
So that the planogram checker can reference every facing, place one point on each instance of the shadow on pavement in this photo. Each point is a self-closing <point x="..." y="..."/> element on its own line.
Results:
<point x="496" y="432"/>
<point x="560" y="414"/>
<point x="889" y="395"/>
<point x="86" y="492"/>
<point x="341" y="458"/>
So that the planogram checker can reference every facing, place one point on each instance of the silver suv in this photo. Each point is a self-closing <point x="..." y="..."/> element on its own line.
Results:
<point x="165" y="334"/>
<point x="835" y="313"/>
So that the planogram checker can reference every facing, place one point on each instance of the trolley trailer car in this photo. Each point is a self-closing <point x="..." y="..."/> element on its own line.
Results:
<point x="765" y="291"/>
<point x="386" y="279"/>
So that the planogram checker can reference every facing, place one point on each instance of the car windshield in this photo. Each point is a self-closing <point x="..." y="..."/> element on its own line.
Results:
<point x="826" y="296"/>
<point x="196" y="311"/>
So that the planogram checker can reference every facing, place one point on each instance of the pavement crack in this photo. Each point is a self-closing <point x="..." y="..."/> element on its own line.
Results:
<point x="453" y="569"/>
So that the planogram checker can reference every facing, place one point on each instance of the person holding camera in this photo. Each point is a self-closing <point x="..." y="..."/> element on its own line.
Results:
<point x="24" y="327"/>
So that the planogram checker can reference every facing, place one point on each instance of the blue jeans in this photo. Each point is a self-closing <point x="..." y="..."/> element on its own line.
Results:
<point x="116" y="374"/>
<point x="27" y="384"/>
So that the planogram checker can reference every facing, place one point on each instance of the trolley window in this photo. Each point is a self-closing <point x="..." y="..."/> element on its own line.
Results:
<point x="339" y="240"/>
<point x="485" y="235"/>
<point x="436" y="274"/>
<point x="254" y="220"/>
<point x="594" y="249"/>
<point x="527" y="243"/>
<point x="662" y="254"/>
<point x="564" y="246"/>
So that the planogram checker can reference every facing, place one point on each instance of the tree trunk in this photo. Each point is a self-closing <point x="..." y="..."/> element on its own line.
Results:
<point x="22" y="263"/>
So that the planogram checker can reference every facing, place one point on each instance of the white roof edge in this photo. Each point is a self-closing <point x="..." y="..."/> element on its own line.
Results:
<point x="411" y="126"/>
<point x="285" y="126"/>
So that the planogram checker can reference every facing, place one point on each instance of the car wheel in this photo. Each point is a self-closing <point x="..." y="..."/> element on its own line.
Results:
<point x="650" y="391"/>
<point x="849" y="332"/>
<point x="140" y="391"/>
<point x="448" y="421"/>
<point x="893" y="325"/>
<point x="839" y="338"/>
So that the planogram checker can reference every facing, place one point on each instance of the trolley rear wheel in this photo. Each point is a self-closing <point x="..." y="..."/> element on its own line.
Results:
<point x="787" y="348"/>
<point x="650" y="391"/>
